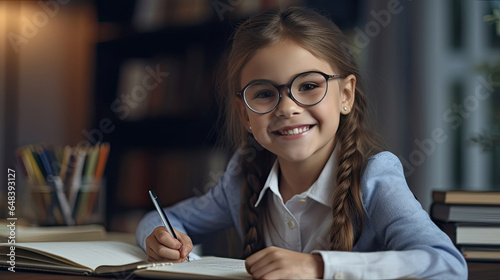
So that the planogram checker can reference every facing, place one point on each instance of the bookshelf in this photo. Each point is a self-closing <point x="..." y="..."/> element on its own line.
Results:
<point x="155" y="90"/>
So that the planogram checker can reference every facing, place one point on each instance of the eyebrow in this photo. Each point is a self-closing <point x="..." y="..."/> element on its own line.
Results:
<point x="274" y="83"/>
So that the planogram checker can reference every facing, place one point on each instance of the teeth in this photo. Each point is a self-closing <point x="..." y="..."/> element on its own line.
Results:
<point x="295" y="131"/>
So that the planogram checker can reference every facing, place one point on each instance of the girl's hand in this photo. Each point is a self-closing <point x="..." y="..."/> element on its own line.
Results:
<point x="277" y="263"/>
<point x="161" y="246"/>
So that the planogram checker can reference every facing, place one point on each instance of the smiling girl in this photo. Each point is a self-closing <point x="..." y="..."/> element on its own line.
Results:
<point x="310" y="189"/>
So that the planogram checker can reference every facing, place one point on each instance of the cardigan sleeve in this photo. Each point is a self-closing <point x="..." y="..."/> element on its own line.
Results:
<point x="410" y="244"/>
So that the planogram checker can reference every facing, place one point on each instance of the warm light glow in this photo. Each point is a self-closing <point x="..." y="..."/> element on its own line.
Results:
<point x="50" y="45"/>
<point x="9" y="15"/>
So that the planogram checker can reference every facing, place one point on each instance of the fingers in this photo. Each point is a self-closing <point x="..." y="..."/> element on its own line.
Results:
<point x="187" y="244"/>
<point x="153" y="256"/>
<point x="267" y="270"/>
<point x="278" y="263"/>
<point x="250" y="262"/>
<point x="262" y="262"/>
<point x="161" y="246"/>
<point x="163" y="237"/>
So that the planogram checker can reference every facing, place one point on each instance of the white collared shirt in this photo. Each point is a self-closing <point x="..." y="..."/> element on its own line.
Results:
<point x="302" y="223"/>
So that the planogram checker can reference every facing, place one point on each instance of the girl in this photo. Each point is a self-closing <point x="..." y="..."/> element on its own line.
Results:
<point x="309" y="189"/>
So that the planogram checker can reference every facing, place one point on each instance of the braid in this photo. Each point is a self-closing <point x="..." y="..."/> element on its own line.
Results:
<point x="347" y="205"/>
<point x="256" y="165"/>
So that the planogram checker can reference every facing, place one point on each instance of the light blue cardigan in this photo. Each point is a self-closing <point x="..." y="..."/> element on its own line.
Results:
<point x="398" y="239"/>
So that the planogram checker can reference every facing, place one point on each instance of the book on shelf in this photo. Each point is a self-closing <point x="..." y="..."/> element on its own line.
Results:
<point x="174" y="91"/>
<point x="112" y="257"/>
<point x="156" y="14"/>
<point x="136" y="169"/>
<point x="186" y="173"/>
<point x="477" y="234"/>
<point x="466" y="213"/>
<point x="467" y="197"/>
<point x="481" y="253"/>
<point x="174" y="100"/>
<point x="134" y="93"/>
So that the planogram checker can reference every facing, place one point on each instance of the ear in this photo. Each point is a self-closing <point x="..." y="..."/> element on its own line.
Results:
<point x="347" y="94"/>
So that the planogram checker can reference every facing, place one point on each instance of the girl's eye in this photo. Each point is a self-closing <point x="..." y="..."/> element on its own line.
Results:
<point x="307" y="87"/>
<point x="264" y="94"/>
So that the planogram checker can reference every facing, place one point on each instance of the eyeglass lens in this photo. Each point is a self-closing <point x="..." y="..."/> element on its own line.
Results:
<point x="307" y="89"/>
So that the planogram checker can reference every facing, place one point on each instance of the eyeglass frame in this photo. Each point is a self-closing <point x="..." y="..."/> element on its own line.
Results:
<point x="289" y="86"/>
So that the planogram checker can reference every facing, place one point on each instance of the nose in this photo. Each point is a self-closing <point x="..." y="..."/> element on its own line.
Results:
<point x="287" y="107"/>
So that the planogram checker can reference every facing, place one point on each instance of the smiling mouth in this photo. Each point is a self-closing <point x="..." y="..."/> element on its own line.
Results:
<point x="295" y="131"/>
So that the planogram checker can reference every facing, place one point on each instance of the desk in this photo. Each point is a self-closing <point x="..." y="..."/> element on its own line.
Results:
<point x="23" y="275"/>
<point x="477" y="270"/>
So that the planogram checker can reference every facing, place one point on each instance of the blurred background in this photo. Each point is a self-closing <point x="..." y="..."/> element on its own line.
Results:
<point x="141" y="75"/>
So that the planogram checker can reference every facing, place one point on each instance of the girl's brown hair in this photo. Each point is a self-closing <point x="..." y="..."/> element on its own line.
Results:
<point x="355" y="141"/>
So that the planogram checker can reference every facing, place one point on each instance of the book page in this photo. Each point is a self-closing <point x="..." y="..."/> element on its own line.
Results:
<point x="206" y="267"/>
<point x="90" y="254"/>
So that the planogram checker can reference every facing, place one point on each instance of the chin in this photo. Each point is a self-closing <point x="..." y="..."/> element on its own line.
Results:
<point x="295" y="157"/>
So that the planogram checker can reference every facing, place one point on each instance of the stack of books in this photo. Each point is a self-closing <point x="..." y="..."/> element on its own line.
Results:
<point x="472" y="220"/>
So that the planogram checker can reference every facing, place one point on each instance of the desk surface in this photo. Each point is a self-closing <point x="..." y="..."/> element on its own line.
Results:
<point x="477" y="270"/>
<point x="22" y="275"/>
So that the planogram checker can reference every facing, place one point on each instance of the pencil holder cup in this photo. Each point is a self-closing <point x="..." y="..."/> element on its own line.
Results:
<point x="49" y="207"/>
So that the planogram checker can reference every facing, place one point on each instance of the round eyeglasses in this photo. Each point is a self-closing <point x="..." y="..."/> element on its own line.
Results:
<point x="308" y="88"/>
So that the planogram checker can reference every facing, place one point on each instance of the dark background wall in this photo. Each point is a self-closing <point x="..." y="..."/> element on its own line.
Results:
<point x="73" y="71"/>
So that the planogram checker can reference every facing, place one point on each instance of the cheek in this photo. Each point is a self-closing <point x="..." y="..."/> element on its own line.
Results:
<point x="330" y="105"/>
<point x="328" y="115"/>
<point x="330" y="121"/>
<point x="251" y="118"/>
<point x="258" y="124"/>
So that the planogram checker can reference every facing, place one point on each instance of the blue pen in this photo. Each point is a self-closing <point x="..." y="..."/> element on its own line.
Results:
<point x="163" y="216"/>
<point x="57" y="188"/>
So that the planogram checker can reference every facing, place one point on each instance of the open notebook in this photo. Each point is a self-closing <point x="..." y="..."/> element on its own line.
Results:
<point x="112" y="257"/>
<point x="204" y="268"/>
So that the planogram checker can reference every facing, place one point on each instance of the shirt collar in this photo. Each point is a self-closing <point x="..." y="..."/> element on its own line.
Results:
<point x="321" y="190"/>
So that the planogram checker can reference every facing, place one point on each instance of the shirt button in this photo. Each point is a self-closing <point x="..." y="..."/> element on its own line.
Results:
<point x="303" y="200"/>
<point x="291" y="224"/>
<point x="338" y="275"/>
